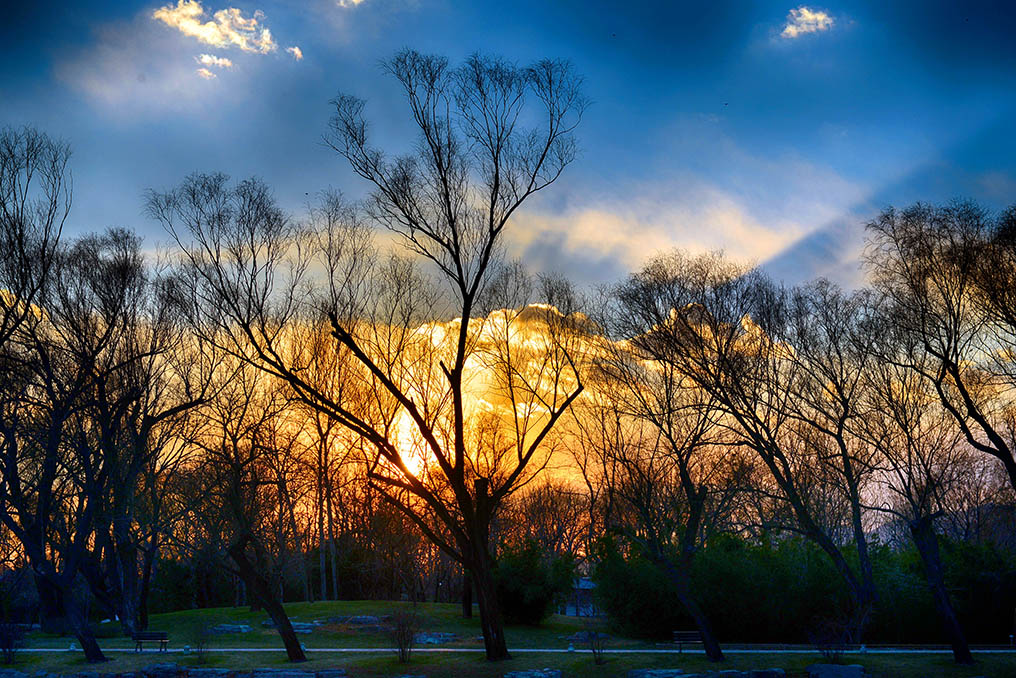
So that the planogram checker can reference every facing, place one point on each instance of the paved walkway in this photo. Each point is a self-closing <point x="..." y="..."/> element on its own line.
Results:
<point x="530" y="650"/>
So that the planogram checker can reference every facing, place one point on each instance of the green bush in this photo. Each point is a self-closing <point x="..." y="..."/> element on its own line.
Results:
<point x="531" y="583"/>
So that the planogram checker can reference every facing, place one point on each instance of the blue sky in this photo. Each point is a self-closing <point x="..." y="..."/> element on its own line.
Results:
<point x="772" y="130"/>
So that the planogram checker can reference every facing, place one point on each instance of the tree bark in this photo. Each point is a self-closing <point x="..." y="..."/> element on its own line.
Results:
<point x="78" y="621"/>
<point x="52" y="613"/>
<point x="148" y="567"/>
<point x="467" y="596"/>
<point x="927" y="545"/>
<point x="262" y="591"/>
<point x="680" y="579"/>
<point x="491" y="619"/>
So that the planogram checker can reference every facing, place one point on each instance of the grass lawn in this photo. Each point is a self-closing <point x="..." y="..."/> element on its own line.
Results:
<point x="183" y="628"/>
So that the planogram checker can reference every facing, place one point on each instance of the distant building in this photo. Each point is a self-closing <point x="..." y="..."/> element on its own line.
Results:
<point x="580" y="603"/>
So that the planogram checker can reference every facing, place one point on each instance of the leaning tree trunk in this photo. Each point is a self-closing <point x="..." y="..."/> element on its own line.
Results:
<point x="78" y="621"/>
<point x="261" y="590"/>
<point x="491" y="619"/>
<point x="680" y="580"/>
<point x="927" y="545"/>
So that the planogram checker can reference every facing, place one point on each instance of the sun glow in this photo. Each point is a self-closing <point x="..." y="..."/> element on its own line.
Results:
<point x="410" y="444"/>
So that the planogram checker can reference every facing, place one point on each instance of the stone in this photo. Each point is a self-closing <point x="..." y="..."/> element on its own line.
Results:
<point x="835" y="671"/>
<point x="208" y="673"/>
<point x="656" y="673"/>
<point x="767" y="673"/>
<point x="434" y="638"/>
<point x="364" y="619"/>
<point x="331" y="673"/>
<point x="281" y="673"/>
<point x="230" y="628"/>
<point x="303" y="627"/>
<point x="164" y="670"/>
<point x="11" y="673"/>
<point x="534" y="673"/>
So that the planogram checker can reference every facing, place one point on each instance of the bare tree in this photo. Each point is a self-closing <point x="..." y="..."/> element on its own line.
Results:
<point x="35" y="199"/>
<point x="921" y="457"/>
<point x="56" y="475"/>
<point x="247" y="433"/>
<point x="724" y="329"/>
<point x="832" y="340"/>
<point x="450" y="204"/>
<point x="946" y="271"/>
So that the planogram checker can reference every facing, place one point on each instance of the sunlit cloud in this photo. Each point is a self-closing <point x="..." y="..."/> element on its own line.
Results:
<point x="349" y="3"/>
<point x="229" y="27"/>
<point x="754" y="213"/>
<point x="205" y="73"/>
<point x="804" y="20"/>
<point x="137" y="67"/>
<point x="296" y="52"/>
<point x="212" y="60"/>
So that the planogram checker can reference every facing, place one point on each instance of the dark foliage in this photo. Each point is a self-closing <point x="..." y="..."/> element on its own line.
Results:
<point x="531" y="583"/>
<point x="782" y="590"/>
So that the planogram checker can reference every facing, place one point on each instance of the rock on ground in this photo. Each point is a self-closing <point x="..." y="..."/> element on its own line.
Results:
<point x="230" y="628"/>
<point x="534" y="673"/>
<point x="835" y="671"/>
<point x="729" y="673"/>
<point x="434" y="638"/>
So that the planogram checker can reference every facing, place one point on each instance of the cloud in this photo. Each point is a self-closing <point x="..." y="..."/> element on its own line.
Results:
<point x="622" y="236"/>
<point x="205" y="73"/>
<point x="135" y="66"/>
<point x="348" y="3"/>
<point x="296" y="52"/>
<point x="212" y="60"/>
<point x="229" y="28"/>
<point x="804" y="20"/>
<point x="752" y="205"/>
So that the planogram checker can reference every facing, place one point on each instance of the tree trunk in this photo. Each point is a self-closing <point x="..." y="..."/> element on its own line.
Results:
<point x="491" y="619"/>
<point x="262" y="591"/>
<point x="467" y="596"/>
<point x="927" y="545"/>
<point x="322" y="574"/>
<point x="148" y="567"/>
<point x="78" y="621"/>
<point x="691" y="606"/>
<point x="52" y="612"/>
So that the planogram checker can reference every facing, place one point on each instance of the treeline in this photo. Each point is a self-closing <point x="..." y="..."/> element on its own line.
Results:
<point x="281" y="408"/>
<point x="786" y="591"/>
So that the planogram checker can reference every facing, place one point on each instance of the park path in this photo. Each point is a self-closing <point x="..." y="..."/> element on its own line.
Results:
<point x="530" y="650"/>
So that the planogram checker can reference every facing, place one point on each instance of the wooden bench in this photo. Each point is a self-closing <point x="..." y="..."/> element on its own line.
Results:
<point x="683" y="638"/>
<point x="141" y="637"/>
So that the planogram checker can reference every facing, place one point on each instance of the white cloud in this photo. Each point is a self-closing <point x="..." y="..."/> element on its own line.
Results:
<point x="205" y="73"/>
<point x="136" y="66"/>
<point x="804" y="20"/>
<point x="348" y="3"/>
<point x="296" y="52"/>
<point x="228" y="29"/>
<point x="212" y="60"/>
<point x="628" y="233"/>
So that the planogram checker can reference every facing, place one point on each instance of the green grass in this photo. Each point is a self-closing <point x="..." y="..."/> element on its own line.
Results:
<point x="183" y="630"/>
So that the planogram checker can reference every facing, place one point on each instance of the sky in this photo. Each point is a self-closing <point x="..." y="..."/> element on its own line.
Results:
<point x="770" y="130"/>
